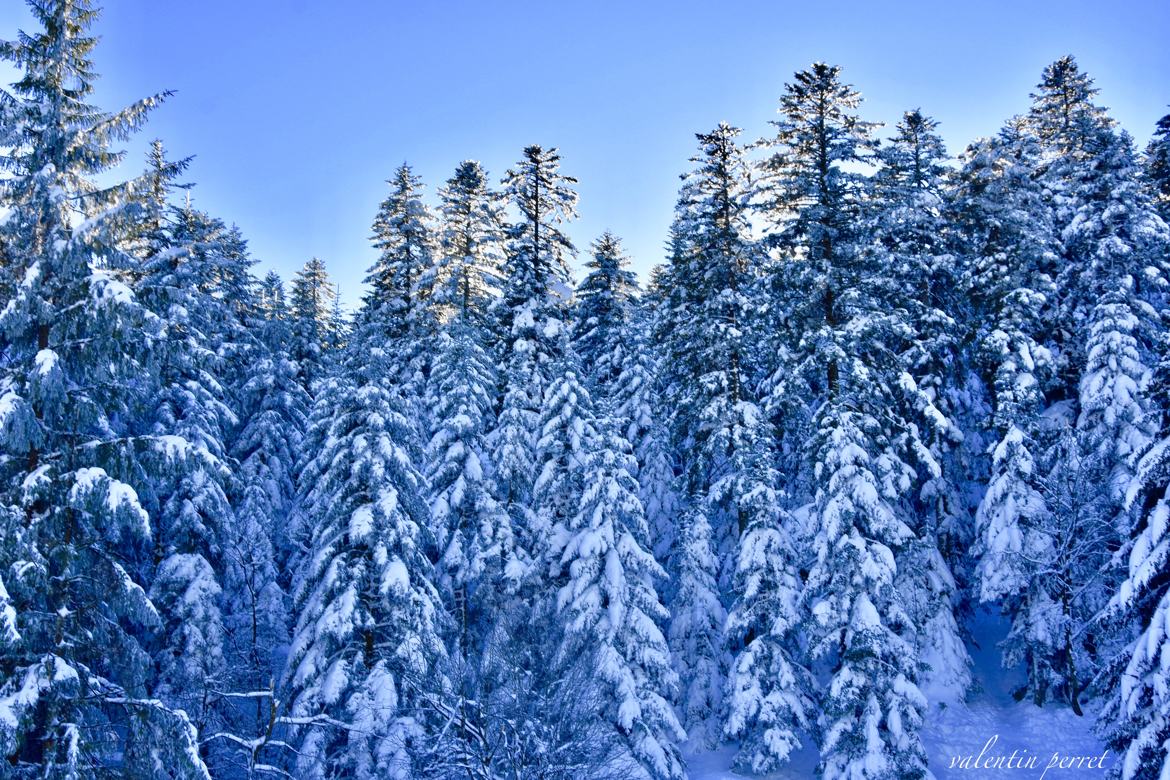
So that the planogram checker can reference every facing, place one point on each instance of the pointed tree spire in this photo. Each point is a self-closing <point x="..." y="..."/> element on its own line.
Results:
<point x="603" y="305"/>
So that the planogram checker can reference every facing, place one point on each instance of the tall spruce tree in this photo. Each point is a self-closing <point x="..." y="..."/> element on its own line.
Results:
<point x="1067" y="125"/>
<point x="872" y="708"/>
<point x="273" y="416"/>
<point x="609" y="606"/>
<point x="911" y="239"/>
<point x="75" y="346"/>
<point x="530" y="327"/>
<point x="467" y="273"/>
<point x="709" y="365"/>
<point x="1113" y="270"/>
<point x="368" y="617"/>
<point x="190" y="416"/>
<point x="538" y="278"/>
<point x="397" y="316"/>
<point x="709" y="360"/>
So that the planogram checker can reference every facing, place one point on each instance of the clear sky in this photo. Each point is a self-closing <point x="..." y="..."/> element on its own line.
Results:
<point x="298" y="111"/>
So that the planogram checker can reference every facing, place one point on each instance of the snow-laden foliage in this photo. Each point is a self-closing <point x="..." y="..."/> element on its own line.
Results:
<point x="477" y="555"/>
<point x="368" y="617"/>
<point x="1157" y="164"/>
<point x="467" y="273"/>
<point x="603" y="305"/>
<point x="696" y="629"/>
<point x="531" y="324"/>
<point x="1142" y="699"/>
<point x="769" y="696"/>
<point x="637" y="405"/>
<point x="567" y="431"/>
<point x="496" y="525"/>
<point x="312" y="297"/>
<point x="872" y="709"/>
<point x="75" y="345"/>
<point x="397" y="315"/>
<point x="610" y="606"/>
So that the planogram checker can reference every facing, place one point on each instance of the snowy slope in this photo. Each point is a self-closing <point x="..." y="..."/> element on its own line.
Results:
<point x="957" y="732"/>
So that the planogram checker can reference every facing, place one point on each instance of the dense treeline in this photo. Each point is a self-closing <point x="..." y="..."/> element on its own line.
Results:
<point x="498" y="525"/>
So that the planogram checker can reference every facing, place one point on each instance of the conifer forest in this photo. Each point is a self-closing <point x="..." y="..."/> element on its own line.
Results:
<point x="887" y="423"/>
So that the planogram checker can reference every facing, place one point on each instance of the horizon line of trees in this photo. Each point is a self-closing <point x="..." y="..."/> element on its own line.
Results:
<point x="499" y="524"/>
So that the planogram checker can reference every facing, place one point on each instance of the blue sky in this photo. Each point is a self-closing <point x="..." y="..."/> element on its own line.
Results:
<point x="297" y="112"/>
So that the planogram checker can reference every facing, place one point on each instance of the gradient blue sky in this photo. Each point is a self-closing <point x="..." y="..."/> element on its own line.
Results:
<point x="297" y="112"/>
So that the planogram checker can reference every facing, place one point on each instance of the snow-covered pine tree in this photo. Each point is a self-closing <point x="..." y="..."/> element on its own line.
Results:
<point x="602" y="307"/>
<point x="310" y="300"/>
<point x="1121" y="244"/>
<point x="530" y="326"/>
<point x="1114" y="253"/>
<point x="538" y="281"/>
<point x="840" y="362"/>
<point x="811" y="197"/>
<point x="1010" y="249"/>
<point x="74" y="340"/>
<point x="477" y="564"/>
<point x="397" y="314"/>
<point x="223" y="277"/>
<point x="272" y="307"/>
<point x="913" y="242"/>
<point x="708" y="356"/>
<point x="1067" y="125"/>
<point x="189" y="416"/>
<point x="637" y="407"/>
<point x="912" y="239"/>
<point x="1063" y="114"/>
<point x="609" y="606"/>
<point x="340" y="327"/>
<point x="710" y="323"/>
<point x="1010" y="256"/>
<point x="273" y="416"/>
<point x="467" y="273"/>
<point x="478" y="571"/>
<point x="1135" y="719"/>
<point x="368" y="617"/>
<point x="528" y="632"/>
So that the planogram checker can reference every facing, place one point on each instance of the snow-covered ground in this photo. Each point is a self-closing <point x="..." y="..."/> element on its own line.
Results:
<point x="960" y="732"/>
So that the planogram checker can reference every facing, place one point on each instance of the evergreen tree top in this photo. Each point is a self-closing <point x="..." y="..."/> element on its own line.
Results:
<point x="608" y="270"/>
<point x="820" y="125"/>
<point x="813" y="184"/>
<point x="1158" y="164"/>
<point x="401" y="232"/>
<point x="60" y="128"/>
<point x="544" y="198"/>
<point x="712" y="212"/>
<point x="915" y="157"/>
<point x="540" y="170"/>
<point x="471" y="243"/>
<point x="1063" y="113"/>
